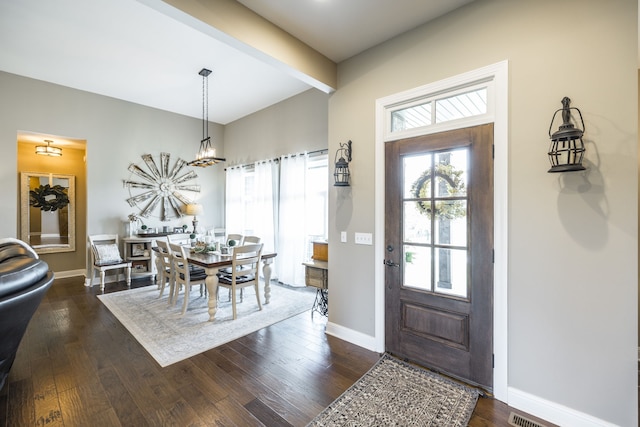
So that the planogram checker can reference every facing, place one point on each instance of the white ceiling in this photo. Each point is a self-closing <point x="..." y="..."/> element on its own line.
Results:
<point x="128" y="50"/>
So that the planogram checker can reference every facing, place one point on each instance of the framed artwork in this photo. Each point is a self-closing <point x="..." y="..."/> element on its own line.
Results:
<point x="137" y="249"/>
<point x="138" y="267"/>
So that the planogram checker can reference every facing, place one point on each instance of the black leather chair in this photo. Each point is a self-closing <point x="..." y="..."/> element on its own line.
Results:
<point x="24" y="280"/>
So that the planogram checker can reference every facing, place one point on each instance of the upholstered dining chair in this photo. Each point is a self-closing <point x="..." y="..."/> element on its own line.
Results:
<point x="247" y="240"/>
<point x="105" y="255"/>
<point x="244" y="272"/>
<point x="184" y="275"/>
<point x="163" y="266"/>
<point x="238" y="239"/>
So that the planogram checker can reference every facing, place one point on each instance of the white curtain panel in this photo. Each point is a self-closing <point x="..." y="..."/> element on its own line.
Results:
<point x="234" y="200"/>
<point x="265" y="202"/>
<point x="292" y="228"/>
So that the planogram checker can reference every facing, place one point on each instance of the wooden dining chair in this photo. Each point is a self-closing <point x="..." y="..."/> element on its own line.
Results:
<point x="238" y="238"/>
<point x="185" y="277"/>
<point x="247" y="240"/>
<point x="244" y="272"/>
<point x="251" y="240"/>
<point x="178" y="238"/>
<point x="105" y="255"/>
<point x="163" y="266"/>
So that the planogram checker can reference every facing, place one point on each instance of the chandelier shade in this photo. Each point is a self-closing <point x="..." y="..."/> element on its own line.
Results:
<point x="194" y="209"/>
<point x="48" y="150"/>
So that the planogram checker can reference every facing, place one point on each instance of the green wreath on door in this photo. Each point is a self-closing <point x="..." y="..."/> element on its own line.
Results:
<point x="444" y="210"/>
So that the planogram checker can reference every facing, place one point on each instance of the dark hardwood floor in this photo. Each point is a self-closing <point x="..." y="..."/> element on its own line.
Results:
<point x="78" y="366"/>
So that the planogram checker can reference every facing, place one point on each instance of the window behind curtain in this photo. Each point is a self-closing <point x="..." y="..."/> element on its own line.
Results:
<point x="246" y="213"/>
<point x="235" y="200"/>
<point x="317" y="203"/>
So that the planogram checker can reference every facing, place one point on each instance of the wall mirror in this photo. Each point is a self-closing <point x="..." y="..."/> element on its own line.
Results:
<point x="47" y="217"/>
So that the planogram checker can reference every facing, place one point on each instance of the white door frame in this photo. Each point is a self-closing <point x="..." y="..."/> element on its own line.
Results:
<point x="498" y="114"/>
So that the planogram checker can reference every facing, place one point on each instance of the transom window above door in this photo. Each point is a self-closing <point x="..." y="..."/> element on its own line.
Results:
<point x="466" y="102"/>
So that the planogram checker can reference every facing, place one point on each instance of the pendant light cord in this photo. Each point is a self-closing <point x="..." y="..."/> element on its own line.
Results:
<point x="205" y="111"/>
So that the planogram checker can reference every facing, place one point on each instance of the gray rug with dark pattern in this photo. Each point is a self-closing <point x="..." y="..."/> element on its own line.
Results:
<point x="395" y="393"/>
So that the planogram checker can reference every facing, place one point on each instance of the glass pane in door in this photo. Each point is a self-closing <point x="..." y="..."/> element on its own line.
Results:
<point x="451" y="173"/>
<point x="414" y="179"/>
<point x="416" y="262"/>
<point x="451" y="271"/>
<point x="416" y="228"/>
<point x="451" y="223"/>
<point x="435" y="221"/>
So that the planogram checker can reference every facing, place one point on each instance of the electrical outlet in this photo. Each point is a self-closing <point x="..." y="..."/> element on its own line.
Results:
<point x="364" y="239"/>
<point x="343" y="236"/>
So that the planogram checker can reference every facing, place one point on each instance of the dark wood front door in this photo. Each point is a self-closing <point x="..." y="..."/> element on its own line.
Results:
<point x="439" y="252"/>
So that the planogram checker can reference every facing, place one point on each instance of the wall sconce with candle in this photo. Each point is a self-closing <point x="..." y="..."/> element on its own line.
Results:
<point x="567" y="149"/>
<point x="342" y="173"/>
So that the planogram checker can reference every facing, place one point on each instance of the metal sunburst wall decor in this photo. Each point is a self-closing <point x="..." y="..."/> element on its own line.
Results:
<point x="162" y="191"/>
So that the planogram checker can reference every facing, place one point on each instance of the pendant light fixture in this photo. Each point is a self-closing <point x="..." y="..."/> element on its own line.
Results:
<point x="48" y="150"/>
<point x="206" y="156"/>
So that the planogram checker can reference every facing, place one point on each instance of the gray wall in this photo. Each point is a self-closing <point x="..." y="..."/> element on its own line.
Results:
<point x="117" y="134"/>
<point x="572" y="242"/>
<point x="291" y="126"/>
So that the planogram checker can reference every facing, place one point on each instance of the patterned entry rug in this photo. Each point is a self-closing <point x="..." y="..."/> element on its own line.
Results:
<point x="170" y="337"/>
<point x="395" y="393"/>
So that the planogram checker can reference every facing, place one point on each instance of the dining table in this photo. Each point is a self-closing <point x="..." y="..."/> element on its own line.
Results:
<point x="212" y="262"/>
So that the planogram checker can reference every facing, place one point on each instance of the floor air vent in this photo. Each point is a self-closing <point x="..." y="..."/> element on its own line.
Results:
<point x="520" y="421"/>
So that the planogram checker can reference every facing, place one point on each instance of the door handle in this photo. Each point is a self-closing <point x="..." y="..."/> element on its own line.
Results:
<point x="390" y="263"/>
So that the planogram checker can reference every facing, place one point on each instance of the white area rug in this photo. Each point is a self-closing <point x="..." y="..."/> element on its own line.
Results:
<point x="170" y="337"/>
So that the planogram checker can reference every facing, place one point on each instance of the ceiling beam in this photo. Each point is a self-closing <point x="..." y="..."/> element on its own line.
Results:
<point x="236" y="25"/>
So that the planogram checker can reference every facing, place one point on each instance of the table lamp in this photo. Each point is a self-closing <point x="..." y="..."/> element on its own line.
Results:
<point x="194" y="209"/>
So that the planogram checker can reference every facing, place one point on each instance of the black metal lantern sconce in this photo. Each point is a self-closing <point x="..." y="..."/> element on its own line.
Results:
<point x="567" y="149"/>
<point x="341" y="173"/>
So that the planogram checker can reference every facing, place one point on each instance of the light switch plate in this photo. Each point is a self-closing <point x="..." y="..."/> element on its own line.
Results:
<point x="364" y="239"/>
<point x="343" y="236"/>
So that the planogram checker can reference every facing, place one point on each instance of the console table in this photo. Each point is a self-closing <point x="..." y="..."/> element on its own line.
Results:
<point x="316" y="275"/>
<point x="138" y="251"/>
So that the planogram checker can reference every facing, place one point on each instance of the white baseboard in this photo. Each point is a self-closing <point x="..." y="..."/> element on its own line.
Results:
<point x="354" y="337"/>
<point x="69" y="273"/>
<point x="551" y="411"/>
<point x="110" y="278"/>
